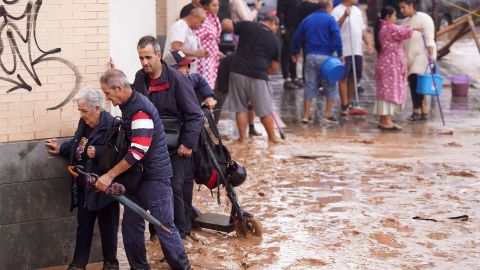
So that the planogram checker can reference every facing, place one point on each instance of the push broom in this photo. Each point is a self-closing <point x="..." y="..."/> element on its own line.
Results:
<point x="356" y="109"/>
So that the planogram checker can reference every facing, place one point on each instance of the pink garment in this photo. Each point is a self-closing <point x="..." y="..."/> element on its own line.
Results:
<point x="209" y="37"/>
<point x="391" y="66"/>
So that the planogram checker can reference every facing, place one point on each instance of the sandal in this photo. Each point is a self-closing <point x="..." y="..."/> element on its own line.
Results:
<point x="392" y="128"/>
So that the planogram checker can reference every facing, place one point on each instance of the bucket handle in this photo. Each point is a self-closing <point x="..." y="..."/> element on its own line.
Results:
<point x="435" y="68"/>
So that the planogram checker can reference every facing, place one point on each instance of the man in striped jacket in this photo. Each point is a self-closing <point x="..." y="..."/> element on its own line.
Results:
<point x="148" y="145"/>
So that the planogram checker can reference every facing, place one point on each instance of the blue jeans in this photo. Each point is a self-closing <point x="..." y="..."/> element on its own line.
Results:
<point x="182" y="186"/>
<point x="156" y="196"/>
<point x="312" y="81"/>
<point x="108" y="220"/>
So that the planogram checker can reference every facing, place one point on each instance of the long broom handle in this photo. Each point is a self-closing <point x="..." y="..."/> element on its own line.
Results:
<point x="354" y="66"/>
<point x="433" y="79"/>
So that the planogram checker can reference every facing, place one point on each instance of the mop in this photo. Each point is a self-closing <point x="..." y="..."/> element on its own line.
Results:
<point x="356" y="109"/>
<point x="444" y="130"/>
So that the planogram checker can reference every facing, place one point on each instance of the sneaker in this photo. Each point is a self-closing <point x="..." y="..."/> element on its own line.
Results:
<point x="423" y="116"/>
<point x="306" y="120"/>
<point x="289" y="85"/>
<point x="330" y="120"/>
<point x="345" y="110"/>
<point x="414" y="117"/>
<point x="360" y="89"/>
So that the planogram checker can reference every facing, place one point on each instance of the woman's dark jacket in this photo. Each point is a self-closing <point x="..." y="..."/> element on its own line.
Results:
<point x="93" y="200"/>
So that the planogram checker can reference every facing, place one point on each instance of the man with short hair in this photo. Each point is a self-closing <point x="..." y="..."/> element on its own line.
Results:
<point x="188" y="7"/>
<point x="255" y="58"/>
<point x="148" y="145"/>
<point x="322" y="38"/>
<point x="182" y="38"/>
<point x="172" y="94"/>
<point x="353" y="31"/>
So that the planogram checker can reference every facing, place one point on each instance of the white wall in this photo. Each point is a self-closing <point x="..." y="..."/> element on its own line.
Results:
<point x="129" y="21"/>
<point x="173" y="11"/>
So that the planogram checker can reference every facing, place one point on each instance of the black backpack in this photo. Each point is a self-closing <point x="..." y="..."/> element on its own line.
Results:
<point x="206" y="172"/>
<point x="115" y="148"/>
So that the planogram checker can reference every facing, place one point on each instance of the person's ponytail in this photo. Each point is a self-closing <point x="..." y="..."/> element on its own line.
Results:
<point x="384" y="13"/>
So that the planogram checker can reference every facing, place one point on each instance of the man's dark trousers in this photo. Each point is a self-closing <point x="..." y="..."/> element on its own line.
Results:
<point x="156" y="196"/>
<point x="289" y="68"/>
<point x="182" y="191"/>
<point x="108" y="220"/>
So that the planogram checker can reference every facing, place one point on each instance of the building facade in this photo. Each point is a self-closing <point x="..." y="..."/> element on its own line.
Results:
<point x="50" y="50"/>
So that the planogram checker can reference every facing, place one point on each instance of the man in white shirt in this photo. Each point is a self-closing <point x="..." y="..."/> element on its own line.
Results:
<point x="417" y="59"/>
<point x="353" y="31"/>
<point x="182" y="38"/>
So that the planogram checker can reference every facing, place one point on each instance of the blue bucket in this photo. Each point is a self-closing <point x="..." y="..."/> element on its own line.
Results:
<point x="425" y="85"/>
<point x="332" y="69"/>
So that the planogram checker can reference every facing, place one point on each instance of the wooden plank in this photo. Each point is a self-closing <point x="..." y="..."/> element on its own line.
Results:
<point x="474" y="32"/>
<point x="456" y="23"/>
<point x="446" y="48"/>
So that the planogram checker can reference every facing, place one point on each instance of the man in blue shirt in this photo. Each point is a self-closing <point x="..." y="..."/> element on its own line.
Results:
<point x="321" y="35"/>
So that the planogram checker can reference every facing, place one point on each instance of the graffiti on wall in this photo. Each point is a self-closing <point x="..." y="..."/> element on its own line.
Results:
<point x="15" y="38"/>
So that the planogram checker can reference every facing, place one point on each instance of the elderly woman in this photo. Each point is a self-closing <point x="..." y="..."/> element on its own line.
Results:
<point x="85" y="149"/>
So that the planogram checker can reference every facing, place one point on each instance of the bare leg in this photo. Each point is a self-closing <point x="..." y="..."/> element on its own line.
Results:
<point x="251" y="116"/>
<point x="382" y="120"/>
<point x="424" y="105"/>
<point x="328" y="108"/>
<point x="306" y="108"/>
<point x="351" y="90"/>
<point x="251" y="120"/>
<point x="388" y="121"/>
<point x="267" y="122"/>
<point x="241" y="118"/>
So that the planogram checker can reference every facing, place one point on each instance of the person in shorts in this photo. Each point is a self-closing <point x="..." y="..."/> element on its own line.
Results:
<point x="254" y="60"/>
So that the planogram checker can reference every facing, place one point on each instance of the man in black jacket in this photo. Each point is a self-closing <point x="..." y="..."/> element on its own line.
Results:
<point x="173" y="96"/>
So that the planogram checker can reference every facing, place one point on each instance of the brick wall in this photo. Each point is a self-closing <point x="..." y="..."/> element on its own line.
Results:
<point x="161" y="18"/>
<point x="63" y="50"/>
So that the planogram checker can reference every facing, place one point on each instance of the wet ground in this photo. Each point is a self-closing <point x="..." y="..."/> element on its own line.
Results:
<point x="345" y="196"/>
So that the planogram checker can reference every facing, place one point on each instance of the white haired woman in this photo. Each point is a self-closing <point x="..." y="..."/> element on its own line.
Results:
<point x="85" y="149"/>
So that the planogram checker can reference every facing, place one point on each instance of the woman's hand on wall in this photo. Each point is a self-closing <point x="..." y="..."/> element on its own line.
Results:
<point x="53" y="147"/>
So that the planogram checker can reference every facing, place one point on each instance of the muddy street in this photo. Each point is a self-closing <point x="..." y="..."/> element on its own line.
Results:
<point x="349" y="196"/>
<point x="348" y="203"/>
<point x="352" y="197"/>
